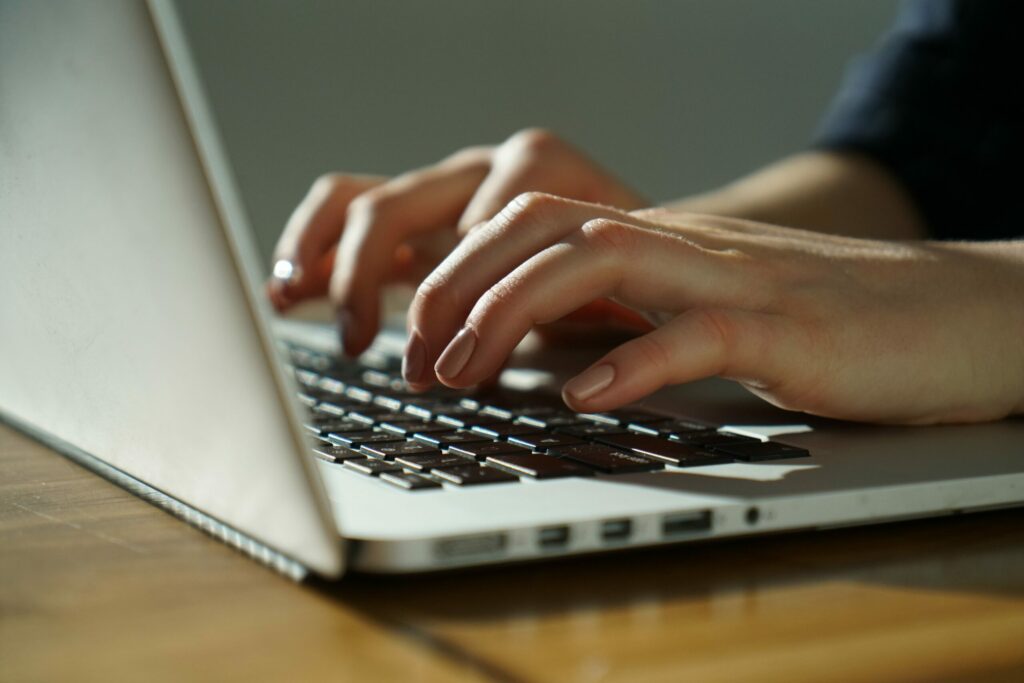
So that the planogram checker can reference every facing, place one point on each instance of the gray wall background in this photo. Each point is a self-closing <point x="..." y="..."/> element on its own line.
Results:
<point x="675" y="97"/>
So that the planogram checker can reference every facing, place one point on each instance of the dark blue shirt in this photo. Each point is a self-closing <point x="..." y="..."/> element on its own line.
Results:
<point x="940" y="103"/>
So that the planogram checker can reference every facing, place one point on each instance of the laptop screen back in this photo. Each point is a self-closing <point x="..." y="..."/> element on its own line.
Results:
<point x="125" y="329"/>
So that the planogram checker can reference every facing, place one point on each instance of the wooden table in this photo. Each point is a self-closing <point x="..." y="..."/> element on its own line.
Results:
<point x="98" y="585"/>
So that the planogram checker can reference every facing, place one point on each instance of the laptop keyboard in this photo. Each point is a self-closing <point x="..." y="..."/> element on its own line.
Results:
<point x="364" y="418"/>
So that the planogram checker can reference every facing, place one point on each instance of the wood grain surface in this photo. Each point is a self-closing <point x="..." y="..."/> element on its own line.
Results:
<point x="98" y="585"/>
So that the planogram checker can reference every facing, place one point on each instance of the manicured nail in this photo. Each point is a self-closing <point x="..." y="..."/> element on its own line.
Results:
<point x="455" y="357"/>
<point x="414" y="360"/>
<point x="590" y="382"/>
<point x="287" y="272"/>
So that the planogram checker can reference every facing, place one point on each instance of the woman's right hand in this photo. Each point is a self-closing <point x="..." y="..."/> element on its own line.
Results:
<point x="354" y="234"/>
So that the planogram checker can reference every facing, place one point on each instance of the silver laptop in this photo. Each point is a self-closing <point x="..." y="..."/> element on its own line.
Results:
<point x="134" y="339"/>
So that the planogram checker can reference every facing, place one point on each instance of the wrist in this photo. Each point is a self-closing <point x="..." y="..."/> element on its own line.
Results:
<point x="999" y="270"/>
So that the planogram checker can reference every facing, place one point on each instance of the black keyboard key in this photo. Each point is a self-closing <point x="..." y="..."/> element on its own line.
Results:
<point x="376" y="378"/>
<point x="365" y="419"/>
<point x="550" y="421"/>
<point x="391" y="450"/>
<point x="471" y="475"/>
<point x="333" y="453"/>
<point x="306" y="378"/>
<point x="543" y="441"/>
<point x="427" y="408"/>
<point x="608" y="460"/>
<point x="359" y="394"/>
<point x="308" y="400"/>
<point x="624" y="417"/>
<point x="426" y="463"/>
<point x="319" y="419"/>
<point x="392" y="403"/>
<point x="537" y="411"/>
<point x="310" y="360"/>
<point x="426" y="429"/>
<point x="372" y="467"/>
<point x="538" y="466"/>
<point x="480" y="451"/>
<point x="358" y="439"/>
<point x="330" y="385"/>
<point x="326" y="408"/>
<point x="590" y="430"/>
<point x="669" y="428"/>
<point x="409" y="481"/>
<point x="334" y="426"/>
<point x="396" y="418"/>
<point x="407" y="428"/>
<point x="709" y="438"/>
<point x="496" y="411"/>
<point x="433" y="409"/>
<point x="366" y="413"/>
<point x="762" y="450"/>
<point x="679" y="454"/>
<point x="503" y="430"/>
<point x="450" y="438"/>
<point x="466" y="418"/>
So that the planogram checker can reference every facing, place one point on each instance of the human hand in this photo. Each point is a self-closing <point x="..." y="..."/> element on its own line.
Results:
<point x="352" y="235"/>
<point x="841" y="327"/>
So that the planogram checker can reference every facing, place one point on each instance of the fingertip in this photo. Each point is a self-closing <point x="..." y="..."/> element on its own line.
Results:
<point x="419" y="387"/>
<point x="590" y="383"/>
<point x="356" y="329"/>
<point x="414" y="360"/>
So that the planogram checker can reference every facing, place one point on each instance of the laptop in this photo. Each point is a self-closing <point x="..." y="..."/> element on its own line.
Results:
<point x="136" y="341"/>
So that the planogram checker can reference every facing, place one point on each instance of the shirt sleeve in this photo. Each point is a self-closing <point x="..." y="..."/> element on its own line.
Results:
<point x="939" y="103"/>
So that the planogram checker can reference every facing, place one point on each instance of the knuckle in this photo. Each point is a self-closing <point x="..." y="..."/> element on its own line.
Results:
<point x="532" y="205"/>
<point x="433" y="294"/>
<point x="534" y="141"/>
<point x="371" y="204"/>
<point x="469" y="155"/>
<point x="333" y="185"/>
<point x="607" y="234"/>
<point x="499" y="299"/>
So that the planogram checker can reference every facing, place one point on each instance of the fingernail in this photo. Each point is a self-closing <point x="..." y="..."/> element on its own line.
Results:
<point x="286" y="272"/>
<point x="457" y="354"/>
<point x="414" y="360"/>
<point x="590" y="382"/>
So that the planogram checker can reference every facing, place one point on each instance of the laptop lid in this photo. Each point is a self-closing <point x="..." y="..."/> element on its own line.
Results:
<point x="131" y="329"/>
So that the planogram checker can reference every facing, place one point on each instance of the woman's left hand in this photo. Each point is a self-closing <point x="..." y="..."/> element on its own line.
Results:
<point x="857" y="329"/>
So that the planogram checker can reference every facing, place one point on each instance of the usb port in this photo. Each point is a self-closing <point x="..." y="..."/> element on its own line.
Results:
<point x="553" y="537"/>
<point x="616" y="530"/>
<point x="683" y="523"/>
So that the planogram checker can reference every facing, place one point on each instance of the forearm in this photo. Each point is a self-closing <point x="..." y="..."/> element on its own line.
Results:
<point x="826" y="192"/>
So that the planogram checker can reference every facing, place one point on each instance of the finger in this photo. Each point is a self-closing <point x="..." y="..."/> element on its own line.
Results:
<point x="697" y="344"/>
<point x="518" y="165"/>
<point x="528" y="224"/>
<point x="605" y="258"/>
<point x="536" y="159"/>
<point x="311" y="232"/>
<point x="380" y="220"/>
